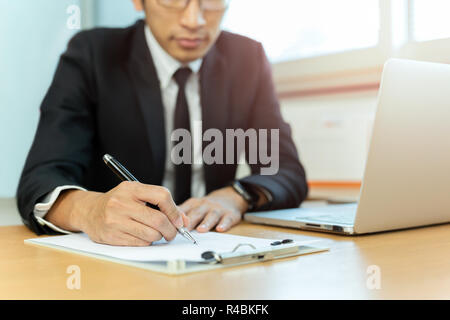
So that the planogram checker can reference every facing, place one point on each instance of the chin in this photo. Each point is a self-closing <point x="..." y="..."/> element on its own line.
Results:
<point x="186" y="55"/>
<point x="189" y="56"/>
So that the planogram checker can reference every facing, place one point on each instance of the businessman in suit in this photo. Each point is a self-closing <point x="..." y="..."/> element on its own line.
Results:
<point x="123" y="92"/>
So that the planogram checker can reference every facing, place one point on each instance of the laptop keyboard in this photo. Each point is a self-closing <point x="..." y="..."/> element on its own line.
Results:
<point x="341" y="214"/>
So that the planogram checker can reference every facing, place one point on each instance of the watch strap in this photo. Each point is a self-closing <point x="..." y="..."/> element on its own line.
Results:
<point x="244" y="193"/>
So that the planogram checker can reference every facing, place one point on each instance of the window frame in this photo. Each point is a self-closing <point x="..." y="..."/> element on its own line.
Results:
<point x="360" y="69"/>
<point x="436" y="50"/>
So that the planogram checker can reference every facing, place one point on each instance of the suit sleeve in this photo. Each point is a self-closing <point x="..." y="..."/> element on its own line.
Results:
<point x="287" y="185"/>
<point x="63" y="143"/>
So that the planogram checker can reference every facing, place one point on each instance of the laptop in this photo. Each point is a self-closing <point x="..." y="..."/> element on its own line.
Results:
<point x="406" y="180"/>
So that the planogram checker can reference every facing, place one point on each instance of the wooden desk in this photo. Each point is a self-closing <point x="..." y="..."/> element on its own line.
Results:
<point x="414" y="264"/>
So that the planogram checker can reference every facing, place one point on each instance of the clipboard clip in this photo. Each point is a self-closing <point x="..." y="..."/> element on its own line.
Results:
<point x="212" y="256"/>
<point x="264" y="254"/>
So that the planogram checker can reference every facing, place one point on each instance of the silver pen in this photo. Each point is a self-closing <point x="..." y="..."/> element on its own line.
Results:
<point x="185" y="233"/>
<point x="125" y="175"/>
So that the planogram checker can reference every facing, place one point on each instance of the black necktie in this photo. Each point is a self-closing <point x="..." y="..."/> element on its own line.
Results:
<point x="181" y="121"/>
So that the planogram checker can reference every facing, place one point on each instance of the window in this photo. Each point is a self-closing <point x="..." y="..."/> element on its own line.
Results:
<point x="326" y="44"/>
<point x="293" y="29"/>
<point x="429" y="19"/>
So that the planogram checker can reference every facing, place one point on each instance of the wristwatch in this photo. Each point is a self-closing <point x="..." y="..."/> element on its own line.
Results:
<point x="246" y="193"/>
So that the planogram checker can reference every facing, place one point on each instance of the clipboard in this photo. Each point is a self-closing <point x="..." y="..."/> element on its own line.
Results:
<point x="242" y="254"/>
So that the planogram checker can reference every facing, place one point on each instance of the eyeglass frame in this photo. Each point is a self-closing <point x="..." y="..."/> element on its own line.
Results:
<point x="187" y="2"/>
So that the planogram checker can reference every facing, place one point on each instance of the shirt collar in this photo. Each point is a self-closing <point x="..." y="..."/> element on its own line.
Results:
<point x="165" y="64"/>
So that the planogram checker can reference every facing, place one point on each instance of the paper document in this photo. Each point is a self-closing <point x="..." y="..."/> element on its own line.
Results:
<point x="178" y="249"/>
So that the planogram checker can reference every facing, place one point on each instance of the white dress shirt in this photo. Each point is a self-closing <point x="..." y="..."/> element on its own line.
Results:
<point x="166" y="66"/>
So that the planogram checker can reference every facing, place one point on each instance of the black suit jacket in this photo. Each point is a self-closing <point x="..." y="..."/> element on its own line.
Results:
<point x="105" y="98"/>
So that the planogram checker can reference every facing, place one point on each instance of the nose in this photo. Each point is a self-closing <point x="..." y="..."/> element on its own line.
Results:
<point x="192" y="17"/>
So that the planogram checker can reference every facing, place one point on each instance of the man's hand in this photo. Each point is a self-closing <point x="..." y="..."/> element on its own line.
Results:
<point x="221" y="209"/>
<point x="120" y="217"/>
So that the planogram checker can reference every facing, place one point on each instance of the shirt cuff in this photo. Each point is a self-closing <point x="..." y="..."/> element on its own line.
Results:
<point x="42" y="208"/>
<point x="266" y="193"/>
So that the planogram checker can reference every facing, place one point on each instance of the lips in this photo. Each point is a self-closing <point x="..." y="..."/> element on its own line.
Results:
<point x="190" y="43"/>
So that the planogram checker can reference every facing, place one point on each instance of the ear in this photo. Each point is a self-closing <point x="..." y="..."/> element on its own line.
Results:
<point x="138" y="5"/>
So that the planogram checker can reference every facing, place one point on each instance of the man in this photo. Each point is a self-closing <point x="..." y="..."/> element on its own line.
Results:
<point x="123" y="92"/>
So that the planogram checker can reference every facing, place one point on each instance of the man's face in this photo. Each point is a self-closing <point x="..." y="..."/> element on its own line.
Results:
<point x="186" y="34"/>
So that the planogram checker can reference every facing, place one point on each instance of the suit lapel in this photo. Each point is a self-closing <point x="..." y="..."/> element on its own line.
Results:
<point x="214" y="101"/>
<point x="145" y="81"/>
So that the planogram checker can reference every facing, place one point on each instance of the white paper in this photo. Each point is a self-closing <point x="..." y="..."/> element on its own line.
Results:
<point x="178" y="249"/>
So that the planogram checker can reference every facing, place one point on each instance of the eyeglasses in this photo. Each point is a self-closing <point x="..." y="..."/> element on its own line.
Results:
<point x="207" y="5"/>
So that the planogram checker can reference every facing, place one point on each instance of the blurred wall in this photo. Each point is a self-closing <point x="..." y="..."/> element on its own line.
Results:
<point x="32" y="36"/>
<point x="115" y="13"/>
<point x="332" y="133"/>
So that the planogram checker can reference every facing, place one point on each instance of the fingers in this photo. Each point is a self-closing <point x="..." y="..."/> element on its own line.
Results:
<point x="185" y="208"/>
<point x="137" y="220"/>
<point x="189" y="204"/>
<point x="125" y="211"/>
<point x="197" y="214"/>
<point x="121" y="239"/>
<point x="154" y="220"/>
<point x="129" y="240"/>
<point x="204" y="215"/>
<point x="141" y="231"/>
<point x="210" y="220"/>
<point x="160" y="197"/>
<point x="227" y="221"/>
<point x="186" y="220"/>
